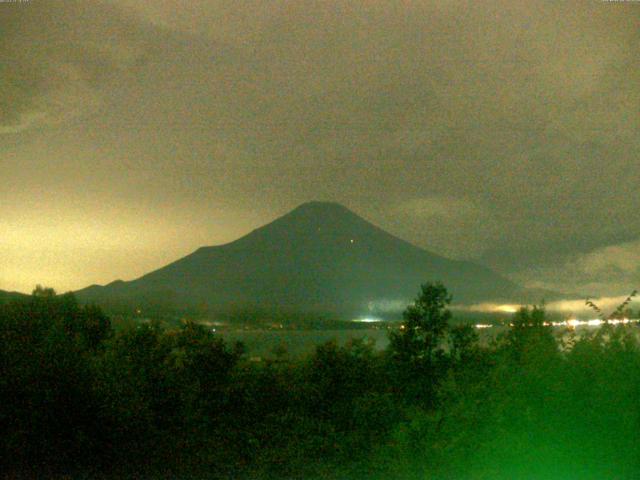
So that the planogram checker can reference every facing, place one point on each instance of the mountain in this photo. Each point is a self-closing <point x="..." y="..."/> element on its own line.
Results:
<point x="6" y="297"/>
<point x="320" y="257"/>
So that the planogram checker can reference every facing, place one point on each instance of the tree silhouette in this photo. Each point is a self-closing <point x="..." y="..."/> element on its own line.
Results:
<point x="43" y="292"/>
<point x="425" y="323"/>
<point x="620" y="312"/>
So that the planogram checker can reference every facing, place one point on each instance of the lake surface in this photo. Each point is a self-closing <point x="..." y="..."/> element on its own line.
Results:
<point x="263" y="343"/>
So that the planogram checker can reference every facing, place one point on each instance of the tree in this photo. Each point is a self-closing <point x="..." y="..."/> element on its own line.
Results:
<point x="463" y="341"/>
<point x="47" y="401"/>
<point x="426" y="321"/>
<point x="43" y="292"/>
<point x="621" y="311"/>
<point x="531" y="335"/>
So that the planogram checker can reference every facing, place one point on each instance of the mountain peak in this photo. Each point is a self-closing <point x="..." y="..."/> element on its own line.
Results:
<point x="312" y="219"/>
<point x="321" y="208"/>
<point x="320" y="256"/>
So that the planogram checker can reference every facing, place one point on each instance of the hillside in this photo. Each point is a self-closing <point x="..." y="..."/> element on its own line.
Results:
<point x="318" y="257"/>
<point x="6" y="297"/>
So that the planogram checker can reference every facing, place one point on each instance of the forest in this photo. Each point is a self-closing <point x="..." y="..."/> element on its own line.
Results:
<point x="82" y="399"/>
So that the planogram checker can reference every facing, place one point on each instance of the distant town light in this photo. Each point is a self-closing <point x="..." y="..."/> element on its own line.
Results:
<point x="507" y="308"/>
<point x="367" y="320"/>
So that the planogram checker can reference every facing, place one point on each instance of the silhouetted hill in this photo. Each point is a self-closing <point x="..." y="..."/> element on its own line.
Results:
<point x="6" y="297"/>
<point x="319" y="257"/>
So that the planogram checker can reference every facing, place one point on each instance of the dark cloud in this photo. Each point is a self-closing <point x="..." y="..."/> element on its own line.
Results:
<point x="503" y="132"/>
<point x="58" y="57"/>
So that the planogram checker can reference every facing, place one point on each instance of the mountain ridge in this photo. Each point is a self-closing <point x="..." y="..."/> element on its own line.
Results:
<point x="319" y="256"/>
<point x="6" y="296"/>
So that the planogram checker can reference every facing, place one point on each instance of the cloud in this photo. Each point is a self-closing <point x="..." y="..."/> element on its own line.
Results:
<point x="613" y="268"/>
<point x="453" y="226"/>
<point x="623" y="258"/>
<point x="441" y="207"/>
<point x="607" y="304"/>
<point x="58" y="58"/>
<point x="567" y="307"/>
<point x="23" y="122"/>
<point x="504" y="132"/>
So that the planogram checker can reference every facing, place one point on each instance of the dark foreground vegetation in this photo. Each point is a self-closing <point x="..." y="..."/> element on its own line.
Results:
<point x="78" y="399"/>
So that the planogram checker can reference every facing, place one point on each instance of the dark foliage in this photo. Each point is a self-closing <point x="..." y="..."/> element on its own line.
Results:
<point x="78" y="399"/>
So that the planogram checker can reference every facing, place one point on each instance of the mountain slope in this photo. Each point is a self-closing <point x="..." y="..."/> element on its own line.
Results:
<point x="318" y="257"/>
<point x="6" y="297"/>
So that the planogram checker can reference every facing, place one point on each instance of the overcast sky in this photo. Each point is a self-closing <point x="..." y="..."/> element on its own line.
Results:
<point x="507" y="132"/>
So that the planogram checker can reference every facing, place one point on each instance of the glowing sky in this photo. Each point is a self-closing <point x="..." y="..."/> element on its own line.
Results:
<point x="133" y="132"/>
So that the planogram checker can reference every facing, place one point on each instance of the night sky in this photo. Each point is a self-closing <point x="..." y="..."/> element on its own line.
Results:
<point x="505" y="132"/>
